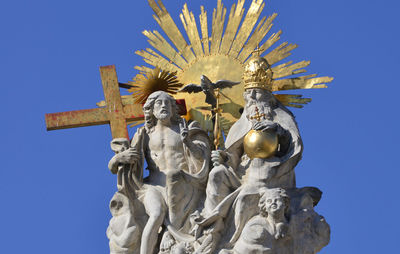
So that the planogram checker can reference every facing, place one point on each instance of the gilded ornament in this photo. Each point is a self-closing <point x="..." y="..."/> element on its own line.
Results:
<point x="260" y="144"/>
<point x="220" y="48"/>
<point x="258" y="74"/>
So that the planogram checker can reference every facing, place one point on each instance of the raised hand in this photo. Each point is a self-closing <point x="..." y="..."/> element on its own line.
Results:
<point x="184" y="130"/>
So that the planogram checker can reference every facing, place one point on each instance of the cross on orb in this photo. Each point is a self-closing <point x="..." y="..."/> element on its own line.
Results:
<point x="257" y="115"/>
<point x="115" y="113"/>
<point x="258" y="50"/>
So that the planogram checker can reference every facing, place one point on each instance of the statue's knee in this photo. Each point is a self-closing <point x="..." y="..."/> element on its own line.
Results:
<point x="156" y="218"/>
<point x="157" y="213"/>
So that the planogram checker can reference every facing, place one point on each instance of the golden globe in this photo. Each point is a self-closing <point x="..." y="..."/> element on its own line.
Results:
<point x="260" y="144"/>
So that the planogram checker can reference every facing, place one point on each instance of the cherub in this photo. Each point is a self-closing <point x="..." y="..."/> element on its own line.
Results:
<point x="264" y="233"/>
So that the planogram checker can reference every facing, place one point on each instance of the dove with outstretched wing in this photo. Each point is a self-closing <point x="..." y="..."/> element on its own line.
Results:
<point x="208" y="87"/>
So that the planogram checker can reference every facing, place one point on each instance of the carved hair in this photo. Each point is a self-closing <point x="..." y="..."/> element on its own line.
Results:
<point x="149" y="119"/>
<point x="269" y="193"/>
<point x="273" y="103"/>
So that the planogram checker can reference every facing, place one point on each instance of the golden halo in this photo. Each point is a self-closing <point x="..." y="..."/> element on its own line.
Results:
<point x="144" y="84"/>
<point x="224" y="54"/>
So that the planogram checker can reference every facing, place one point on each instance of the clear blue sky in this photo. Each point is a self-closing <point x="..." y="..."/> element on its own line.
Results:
<point x="55" y="186"/>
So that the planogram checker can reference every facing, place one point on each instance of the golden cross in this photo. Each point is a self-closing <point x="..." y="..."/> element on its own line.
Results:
<point x="258" y="50"/>
<point x="115" y="113"/>
<point x="257" y="116"/>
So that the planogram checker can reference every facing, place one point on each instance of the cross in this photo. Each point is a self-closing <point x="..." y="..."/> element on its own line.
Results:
<point x="257" y="116"/>
<point x="258" y="50"/>
<point x="115" y="113"/>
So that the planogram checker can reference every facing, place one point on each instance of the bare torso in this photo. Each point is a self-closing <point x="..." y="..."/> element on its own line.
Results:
<point x="164" y="153"/>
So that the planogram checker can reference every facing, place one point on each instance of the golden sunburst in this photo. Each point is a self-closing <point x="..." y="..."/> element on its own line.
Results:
<point x="224" y="54"/>
<point x="144" y="84"/>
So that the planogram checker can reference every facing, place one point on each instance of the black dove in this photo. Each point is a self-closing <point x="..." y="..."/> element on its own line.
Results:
<point x="208" y="88"/>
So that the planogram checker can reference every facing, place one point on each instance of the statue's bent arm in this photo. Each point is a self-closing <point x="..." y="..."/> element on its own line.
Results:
<point x="196" y="147"/>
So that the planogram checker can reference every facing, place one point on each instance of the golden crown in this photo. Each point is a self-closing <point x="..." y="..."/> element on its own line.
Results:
<point x="257" y="74"/>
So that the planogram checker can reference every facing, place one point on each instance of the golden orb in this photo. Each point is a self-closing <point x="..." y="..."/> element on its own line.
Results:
<point x="260" y="144"/>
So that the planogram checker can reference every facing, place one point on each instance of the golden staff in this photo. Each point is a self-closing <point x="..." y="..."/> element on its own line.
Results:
<point x="217" y="130"/>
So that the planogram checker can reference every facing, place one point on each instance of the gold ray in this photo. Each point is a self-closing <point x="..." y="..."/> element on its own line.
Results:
<point x="156" y="80"/>
<point x="189" y="23"/>
<point x="235" y="16"/>
<point x="154" y="59"/>
<point x="143" y="69"/>
<point x="167" y="65"/>
<point x="304" y="82"/>
<point x="259" y="33"/>
<point x="271" y="41"/>
<point x="162" y="45"/>
<point x="225" y="125"/>
<point x="217" y="27"/>
<point x="279" y="53"/>
<point x="292" y="100"/>
<point x="203" y="119"/>
<point x="245" y="30"/>
<point x="134" y="124"/>
<point x="167" y="24"/>
<point x="223" y="55"/>
<point x="288" y="69"/>
<point x="204" y="31"/>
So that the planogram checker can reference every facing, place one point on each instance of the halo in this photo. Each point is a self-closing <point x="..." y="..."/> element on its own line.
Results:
<point x="224" y="54"/>
<point x="144" y="84"/>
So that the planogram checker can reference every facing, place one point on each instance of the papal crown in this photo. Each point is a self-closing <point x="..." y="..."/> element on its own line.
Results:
<point x="257" y="74"/>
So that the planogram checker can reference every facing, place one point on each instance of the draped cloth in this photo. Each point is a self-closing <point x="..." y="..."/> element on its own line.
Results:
<point x="279" y="170"/>
<point x="282" y="165"/>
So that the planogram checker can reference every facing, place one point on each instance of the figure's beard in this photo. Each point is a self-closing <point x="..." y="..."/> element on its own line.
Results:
<point x="253" y="105"/>
<point x="163" y="115"/>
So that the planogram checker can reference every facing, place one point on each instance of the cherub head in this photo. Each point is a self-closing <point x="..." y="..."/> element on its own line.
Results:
<point x="160" y="106"/>
<point x="274" y="202"/>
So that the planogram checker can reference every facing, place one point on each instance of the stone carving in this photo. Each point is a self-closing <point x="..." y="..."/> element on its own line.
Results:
<point x="123" y="231"/>
<point x="177" y="157"/>
<point x="267" y="232"/>
<point x="247" y="202"/>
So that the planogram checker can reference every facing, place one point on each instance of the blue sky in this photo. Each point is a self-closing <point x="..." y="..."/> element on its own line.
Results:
<point x="55" y="186"/>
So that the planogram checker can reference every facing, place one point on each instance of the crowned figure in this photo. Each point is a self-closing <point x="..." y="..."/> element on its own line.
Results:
<point x="262" y="149"/>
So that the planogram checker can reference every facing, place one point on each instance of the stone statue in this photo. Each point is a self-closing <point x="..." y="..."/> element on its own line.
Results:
<point x="199" y="198"/>
<point x="262" y="112"/>
<point x="123" y="231"/>
<point x="247" y="203"/>
<point x="267" y="232"/>
<point x="243" y="169"/>
<point x="177" y="157"/>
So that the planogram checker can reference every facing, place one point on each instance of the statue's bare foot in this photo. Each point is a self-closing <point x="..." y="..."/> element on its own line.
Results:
<point x="166" y="243"/>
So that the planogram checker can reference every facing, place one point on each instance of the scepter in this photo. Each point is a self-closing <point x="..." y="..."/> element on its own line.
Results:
<point x="212" y="93"/>
<point x="217" y="129"/>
